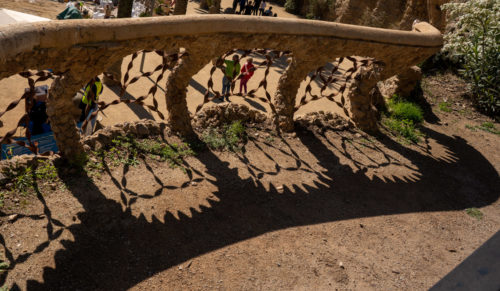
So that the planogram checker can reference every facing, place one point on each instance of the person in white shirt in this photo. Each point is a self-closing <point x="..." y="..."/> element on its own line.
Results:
<point x="262" y="7"/>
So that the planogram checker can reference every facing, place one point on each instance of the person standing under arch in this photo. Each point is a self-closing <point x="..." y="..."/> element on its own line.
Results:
<point x="246" y="73"/>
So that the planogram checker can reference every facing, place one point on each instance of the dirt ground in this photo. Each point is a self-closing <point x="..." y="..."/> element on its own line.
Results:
<point x="338" y="211"/>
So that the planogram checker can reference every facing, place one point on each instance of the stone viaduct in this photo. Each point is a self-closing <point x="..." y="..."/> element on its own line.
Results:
<point x="83" y="49"/>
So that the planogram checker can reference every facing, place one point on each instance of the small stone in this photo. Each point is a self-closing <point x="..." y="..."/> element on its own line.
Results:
<point x="279" y="188"/>
<point x="142" y="130"/>
<point x="358" y="135"/>
<point x="279" y="265"/>
<point x="194" y="183"/>
<point x="15" y="200"/>
<point x="12" y="217"/>
<point x="341" y="265"/>
<point x="180" y="268"/>
<point x="256" y="135"/>
<point x="3" y="179"/>
<point x="293" y="135"/>
<point x="18" y="245"/>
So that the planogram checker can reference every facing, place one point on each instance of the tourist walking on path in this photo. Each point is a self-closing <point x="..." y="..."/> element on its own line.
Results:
<point x="249" y="8"/>
<point x="246" y="73"/>
<point x="262" y="7"/>
<point x="242" y="6"/>
<point x="231" y="71"/>
<point x="256" y="7"/>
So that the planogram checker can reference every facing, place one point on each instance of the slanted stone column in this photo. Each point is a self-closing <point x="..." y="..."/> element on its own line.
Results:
<point x="288" y="85"/>
<point x="62" y="112"/>
<point x="177" y="83"/>
<point x="361" y="109"/>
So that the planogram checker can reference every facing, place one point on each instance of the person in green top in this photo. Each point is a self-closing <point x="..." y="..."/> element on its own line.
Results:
<point x="231" y="71"/>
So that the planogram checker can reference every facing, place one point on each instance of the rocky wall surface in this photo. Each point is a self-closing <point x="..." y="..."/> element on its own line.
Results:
<point x="398" y="14"/>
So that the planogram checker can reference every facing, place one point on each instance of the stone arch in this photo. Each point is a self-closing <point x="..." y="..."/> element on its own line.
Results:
<point x="83" y="49"/>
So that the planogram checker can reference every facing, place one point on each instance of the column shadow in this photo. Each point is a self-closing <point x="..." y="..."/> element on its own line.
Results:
<point x="114" y="250"/>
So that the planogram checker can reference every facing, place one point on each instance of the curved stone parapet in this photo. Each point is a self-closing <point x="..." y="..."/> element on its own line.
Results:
<point x="82" y="48"/>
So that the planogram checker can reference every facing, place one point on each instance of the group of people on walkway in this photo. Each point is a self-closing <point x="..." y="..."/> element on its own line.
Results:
<point x="232" y="69"/>
<point x="257" y="7"/>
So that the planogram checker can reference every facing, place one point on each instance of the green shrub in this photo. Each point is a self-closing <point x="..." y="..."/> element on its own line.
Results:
<point x="474" y="212"/>
<point x="171" y="153"/>
<point x="404" y="110"/>
<point x="230" y="137"/>
<point x="445" y="106"/>
<point x="405" y="128"/>
<point x="489" y="127"/>
<point x="24" y="179"/>
<point x="486" y="126"/>
<point x="474" y="45"/>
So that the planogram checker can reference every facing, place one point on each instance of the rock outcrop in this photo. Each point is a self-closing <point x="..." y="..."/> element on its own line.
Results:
<point x="402" y="84"/>
<point x="320" y="121"/>
<point x="398" y="14"/>
<point x="217" y="115"/>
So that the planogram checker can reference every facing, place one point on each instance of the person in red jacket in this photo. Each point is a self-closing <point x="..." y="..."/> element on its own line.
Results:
<point x="246" y="73"/>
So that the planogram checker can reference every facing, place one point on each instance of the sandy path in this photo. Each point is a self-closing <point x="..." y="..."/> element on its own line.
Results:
<point x="12" y="88"/>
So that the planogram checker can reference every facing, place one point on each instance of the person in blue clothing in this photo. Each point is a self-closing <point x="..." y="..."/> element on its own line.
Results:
<point x="39" y="122"/>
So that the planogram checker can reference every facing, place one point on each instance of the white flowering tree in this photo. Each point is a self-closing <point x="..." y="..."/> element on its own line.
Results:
<point x="474" y="43"/>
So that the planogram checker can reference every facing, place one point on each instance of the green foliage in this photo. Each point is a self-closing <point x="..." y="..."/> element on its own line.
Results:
<point x="474" y="45"/>
<point x="126" y="151"/>
<point x="230" y="137"/>
<point x="24" y="178"/>
<point x="291" y="6"/>
<point x="2" y="198"/>
<point x="489" y="127"/>
<point x="404" y="110"/>
<point x="171" y="153"/>
<point x="403" y="118"/>
<point x="79" y="160"/>
<point x="474" y="212"/>
<point x="473" y="128"/>
<point x="4" y="265"/>
<point x="486" y="126"/>
<point x="405" y="128"/>
<point x="445" y="106"/>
